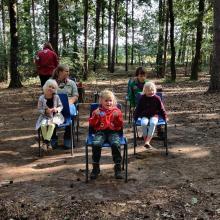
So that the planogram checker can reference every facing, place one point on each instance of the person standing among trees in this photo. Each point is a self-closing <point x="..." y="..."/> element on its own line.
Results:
<point x="46" y="61"/>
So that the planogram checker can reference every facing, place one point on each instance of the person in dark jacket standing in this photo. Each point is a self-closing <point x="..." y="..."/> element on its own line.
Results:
<point x="148" y="109"/>
<point x="46" y="61"/>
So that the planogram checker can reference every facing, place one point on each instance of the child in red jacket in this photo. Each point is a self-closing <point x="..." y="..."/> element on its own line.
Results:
<point x="107" y="121"/>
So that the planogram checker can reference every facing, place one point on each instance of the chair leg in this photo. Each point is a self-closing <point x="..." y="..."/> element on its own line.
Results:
<point x="72" y="138"/>
<point x="77" y="128"/>
<point x="135" y="138"/>
<point x="73" y="131"/>
<point x="165" y="139"/>
<point x="126" y="163"/>
<point x="123" y="159"/>
<point x="39" y="137"/>
<point x="87" y="164"/>
<point x="126" y="106"/>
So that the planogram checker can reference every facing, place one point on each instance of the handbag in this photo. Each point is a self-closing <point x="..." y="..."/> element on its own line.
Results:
<point x="58" y="118"/>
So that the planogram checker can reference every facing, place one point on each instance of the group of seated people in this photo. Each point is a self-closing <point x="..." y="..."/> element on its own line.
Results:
<point x="106" y="120"/>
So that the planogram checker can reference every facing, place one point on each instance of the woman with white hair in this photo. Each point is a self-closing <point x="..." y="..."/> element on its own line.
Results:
<point x="49" y="107"/>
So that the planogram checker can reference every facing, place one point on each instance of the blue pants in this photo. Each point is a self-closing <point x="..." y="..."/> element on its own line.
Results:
<point x="112" y="137"/>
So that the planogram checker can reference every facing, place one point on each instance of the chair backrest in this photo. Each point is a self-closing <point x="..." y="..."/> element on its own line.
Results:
<point x="129" y="85"/>
<point x="65" y="102"/>
<point x="93" y="107"/>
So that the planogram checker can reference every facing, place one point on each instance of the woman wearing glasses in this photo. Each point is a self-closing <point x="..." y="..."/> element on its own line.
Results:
<point x="67" y="86"/>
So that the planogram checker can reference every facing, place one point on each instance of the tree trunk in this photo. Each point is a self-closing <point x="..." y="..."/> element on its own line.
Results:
<point x="165" y="39"/>
<point x="173" y="52"/>
<point x="159" y="60"/>
<point x="109" y="34"/>
<point x="132" y="32"/>
<point x="85" y="72"/>
<point x="46" y="20"/>
<point x="214" y="85"/>
<point x="28" y="32"/>
<point x="15" y="77"/>
<point x="126" y="37"/>
<point x="103" y="32"/>
<point x="97" y="37"/>
<point x="34" y="26"/>
<point x="53" y="24"/>
<point x="4" y="69"/>
<point x="196" y="60"/>
<point x="114" y="36"/>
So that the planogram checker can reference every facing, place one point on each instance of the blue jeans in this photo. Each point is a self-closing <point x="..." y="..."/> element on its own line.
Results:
<point x="112" y="137"/>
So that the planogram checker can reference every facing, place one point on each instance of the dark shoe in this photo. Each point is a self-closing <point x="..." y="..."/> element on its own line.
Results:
<point x="67" y="143"/>
<point x="95" y="171"/>
<point x="148" y="146"/>
<point x="117" y="169"/>
<point x="54" y="143"/>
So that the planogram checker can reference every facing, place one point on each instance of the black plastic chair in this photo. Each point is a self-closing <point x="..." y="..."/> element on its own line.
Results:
<point x="161" y="122"/>
<point x="89" y="140"/>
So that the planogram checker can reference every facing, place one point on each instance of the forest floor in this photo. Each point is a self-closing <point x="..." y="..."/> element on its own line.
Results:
<point x="183" y="185"/>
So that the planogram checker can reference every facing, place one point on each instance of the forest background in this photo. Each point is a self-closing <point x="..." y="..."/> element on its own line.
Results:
<point x="89" y="35"/>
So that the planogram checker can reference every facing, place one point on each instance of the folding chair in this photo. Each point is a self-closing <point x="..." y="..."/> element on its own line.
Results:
<point x="67" y="122"/>
<point x="127" y="101"/>
<point x="161" y="122"/>
<point x="89" y="140"/>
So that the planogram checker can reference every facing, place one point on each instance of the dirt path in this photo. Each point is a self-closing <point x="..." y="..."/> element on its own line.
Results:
<point x="183" y="185"/>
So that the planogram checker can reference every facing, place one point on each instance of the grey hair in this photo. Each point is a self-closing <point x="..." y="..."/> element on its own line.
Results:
<point x="50" y="82"/>
<point x="149" y="86"/>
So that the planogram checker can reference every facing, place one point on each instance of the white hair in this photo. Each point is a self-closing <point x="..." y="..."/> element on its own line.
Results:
<point x="50" y="82"/>
<point x="149" y="86"/>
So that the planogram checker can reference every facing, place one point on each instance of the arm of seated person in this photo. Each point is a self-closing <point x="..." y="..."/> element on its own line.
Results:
<point x="73" y="99"/>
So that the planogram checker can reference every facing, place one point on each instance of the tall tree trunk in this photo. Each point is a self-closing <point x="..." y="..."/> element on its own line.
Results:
<point x="28" y="31"/>
<point x="4" y="75"/>
<point x="53" y="24"/>
<point x="15" y="77"/>
<point x="214" y="85"/>
<point x="180" y="46"/>
<point x="159" y="61"/>
<point x="114" y="35"/>
<point x="126" y="37"/>
<point x="165" y="39"/>
<point x="132" y="32"/>
<point x="196" y="60"/>
<point x="103" y="32"/>
<point x="34" y="26"/>
<point x="46" y="15"/>
<point x="173" y="52"/>
<point x="109" y="34"/>
<point x="86" y="8"/>
<point x="97" y="37"/>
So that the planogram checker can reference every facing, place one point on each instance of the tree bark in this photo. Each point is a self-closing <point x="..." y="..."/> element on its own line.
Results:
<point x="159" y="61"/>
<point x="15" y="76"/>
<point x="173" y="52"/>
<point x="114" y="36"/>
<point x="195" y="63"/>
<point x="34" y="26"/>
<point x="214" y="85"/>
<point x="53" y="24"/>
<point x="132" y="32"/>
<point x="165" y="39"/>
<point x="109" y="34"/>
<point x="126" y="37"/>
<point x="85" y="72"/>
<point x="97" y="38"/>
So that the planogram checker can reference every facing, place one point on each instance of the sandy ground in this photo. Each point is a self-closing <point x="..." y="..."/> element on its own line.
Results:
<point x="183" y="185"/>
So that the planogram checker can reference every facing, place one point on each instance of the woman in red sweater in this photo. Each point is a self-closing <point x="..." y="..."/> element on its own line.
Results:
<point x="107" y="121"/>
<point x="46" y="61"/>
